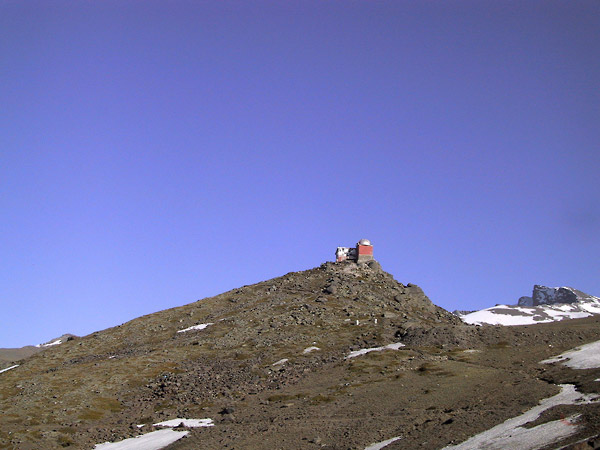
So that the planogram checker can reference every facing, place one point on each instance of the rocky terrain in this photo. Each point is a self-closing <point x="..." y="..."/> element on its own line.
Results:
<point x="340" y="356"/>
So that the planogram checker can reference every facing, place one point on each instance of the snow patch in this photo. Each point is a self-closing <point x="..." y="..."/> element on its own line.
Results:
<point x="50" y="344"/>
<point x="592" y="307"/>
<point x="559" y="315"/>
<point x="189" y="423"/>
<point x="584" y="357"/>
<point x="310" y="349"/>
<point x="8" y="368"/>
<point x="154" y="440"/>
<point x="511" y="434"/>
<point x="380" y="445"/>
<point x="364" y="351"/>
<point x="280" y="362"/>
<point x="202" y="326"/>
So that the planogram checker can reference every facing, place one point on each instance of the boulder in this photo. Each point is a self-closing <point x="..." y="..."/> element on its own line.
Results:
<point x="525" y="301"/>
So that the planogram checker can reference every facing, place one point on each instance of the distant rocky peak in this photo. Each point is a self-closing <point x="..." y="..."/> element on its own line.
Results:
<point x="525" y="301"/>
<point x="544" y="295"/>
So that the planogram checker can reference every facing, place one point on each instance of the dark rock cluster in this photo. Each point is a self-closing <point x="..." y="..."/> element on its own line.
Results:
<point x="544" y="295"/>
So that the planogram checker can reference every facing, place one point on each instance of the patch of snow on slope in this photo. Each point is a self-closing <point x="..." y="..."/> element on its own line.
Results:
<point x="190" y="423"/>
<point x="150" y="441"/>
<point x="524" y="309"/>
<point x="562" y="313"/>
<point x="8" y="368"/>
<point x="592" y="307"/>
<point x="310" y="349"/>
<point x="511" y="434"/>
<point x="50" y="344"/>
<point x="364" y="351"/>
<point x="280" y="362"/>
<point x="564" y="307"/>
<point x="559" y="315"/>
<point x="202" y="326"/>
<point x="156" y="440"/>
<point x="584" y="357"/>
<point x="380" y="445"/>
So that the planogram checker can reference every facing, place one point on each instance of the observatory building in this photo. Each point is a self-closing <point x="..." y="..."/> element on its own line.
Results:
<point x="361" y="253"/>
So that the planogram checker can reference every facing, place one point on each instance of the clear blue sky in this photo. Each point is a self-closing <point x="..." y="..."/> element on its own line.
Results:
<point x="157" y="152"/>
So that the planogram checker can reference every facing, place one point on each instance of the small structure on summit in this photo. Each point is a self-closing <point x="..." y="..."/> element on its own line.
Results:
<point x="361" y="253"/>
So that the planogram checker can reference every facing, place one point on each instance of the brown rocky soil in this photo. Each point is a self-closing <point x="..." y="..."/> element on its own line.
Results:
<point x="449" y="382"/>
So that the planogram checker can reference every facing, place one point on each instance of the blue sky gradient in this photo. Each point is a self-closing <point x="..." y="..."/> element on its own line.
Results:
<point x="154" y="153"/>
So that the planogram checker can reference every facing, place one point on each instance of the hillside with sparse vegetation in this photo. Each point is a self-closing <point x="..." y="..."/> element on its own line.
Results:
<point x="339" y="356"/>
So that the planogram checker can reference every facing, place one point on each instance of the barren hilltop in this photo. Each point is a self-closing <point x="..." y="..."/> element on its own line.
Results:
<point x="341" y="356"/>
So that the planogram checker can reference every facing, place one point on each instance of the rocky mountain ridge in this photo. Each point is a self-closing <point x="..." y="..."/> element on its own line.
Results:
<point x="544" y="295"/>
<point x="547" y="304"/>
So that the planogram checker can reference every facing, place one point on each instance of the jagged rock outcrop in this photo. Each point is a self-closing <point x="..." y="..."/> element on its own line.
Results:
<point x="544" y="295"/>
<point x="525" y="301"/>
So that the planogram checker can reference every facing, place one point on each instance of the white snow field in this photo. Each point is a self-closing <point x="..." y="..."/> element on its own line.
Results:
<point x="201" y="326"/>
<point x="156" y="440"/>
<point x="511" y="434"/>
<point x="520" y="315"/>
<point x="364" y="351"/>
<point x="584" y="357"/>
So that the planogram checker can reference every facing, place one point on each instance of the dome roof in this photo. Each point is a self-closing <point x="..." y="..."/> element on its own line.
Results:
<point x="364" y="242"/>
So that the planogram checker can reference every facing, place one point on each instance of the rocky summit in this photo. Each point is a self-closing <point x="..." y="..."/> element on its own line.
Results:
<point x="341" y="356"/>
